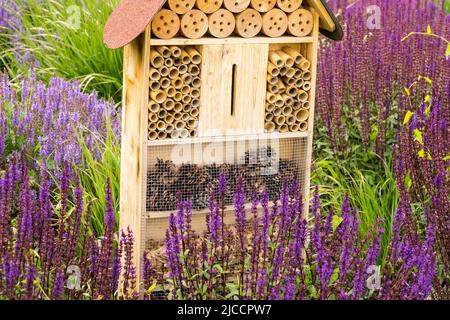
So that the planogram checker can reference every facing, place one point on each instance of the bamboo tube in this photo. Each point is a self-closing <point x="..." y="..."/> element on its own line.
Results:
<point x="307" y="85"/>
<point x="279" y="100"/>
<point x="158" y="96"/>
<point x="268" y="116"/>
<point x="193" y="133"/>
<point x="175" y="134"/>
<point x="178" y="107"/>
<point x="185" y="117"/>
<point x="186" y="99"/>
<point x="300" y="23"/>
<point x="164" y="71"/>
<point x="165" y="83"/>
<point x="152" y="117"/>
<point x="221" y="23"/>
<point x="187" y="108"/>
<point x="290" y="73"/>
<point x="196" y="57"/>
<point x="302" y="115"/>
<point x="177" y="83"/>
<point x="283" y="128"/>
<point x="287" y="59"/>
<point x="292" y="91"/>
<point x="184" y="133"/>
<point x="297" y="105"/>
<point x="168" y="62"/>
<point x="273" y="88"/>
<point x="289" y="5"/>
<point x="170" y="92"/>
<point x="236" y="6"/>
<point x="302" y="96"/>
<point x="152" y="135"/>
<point x="270" y="97"/>
<point x="290" y="119"/>
<point x="152" y="126"/>
<point x="179" y="124"/>
<point x="169" y="128"/>
<point x="263" y="5"/>
<point x="161" y="125"/>
<point x="154" y="74"/>
<point x="288" y="101"/>
<point x="307" y="76"/>
<point x="298" y="73"/>
<point x="177" y="116"/>
<point x="177" y="62"/>
<point x="169" y="119"/>
<point x="194" y="112"/>
<point x="275" y="58"/>
<point x="187" y="78"/>
<point x="271" y="79"/>
<point x="185" y="90"/>
<point x="181" y="6"/>
<point x="169" y="104"/>
<point x="281" y="86"/>
<point x="274" y="23"/>
<point x="165" y="24"/>
<point x="279" y="120"/>
<point x="195" y="103"/>
<point x="162" y="135"/>
<point x="173" y="73"/>
<point x="269" y="107"/>
<point x="208" y="6"/>
<point x="195" y="93"/>
<point x="248" y="22"/>
<point x="273" y="69"/>
<point x="196" y="82"/>
<point x="153" y="106"/>
<point x="289" y="81"/>
<point x="178" y="96"/>
<point x="283" y="71"/>
<point x="191" y="123"/>
<point x="299" y="83"/>
<point x="194" y="24"/>
<point x="193" y="70"/>
<point x="303" y="126"/>
<point x="182" y="69"/>
<point x="295" y="54"/>
<point x="155" y="85"/>
<point x="269" y="126"/>
<point x="306" y="105"/>
<point x="277" y="111"/>
<point x="162" y="114"/>
<point x="175" y="51"/>
<point x="294" y="127"/>
<point x="287" y="110"/>
<point x="185" y="57"/>
<point x="156" y="60"/>
<point x="163" y="51"/>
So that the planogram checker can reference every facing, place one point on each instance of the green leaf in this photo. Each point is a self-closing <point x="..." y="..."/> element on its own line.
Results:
<point x="408" y="92"/>
<point x="447" y="157"/>
<point x="447" y="52"/>
<point x="408" y="181"/>
<point x="418" y="136"/>
<point x="374" y="133"/>
<point x="336" y="221"/>
<point x="421" y="153"/>
<point x="408" y="116"/>
<point x="429" y="29"/>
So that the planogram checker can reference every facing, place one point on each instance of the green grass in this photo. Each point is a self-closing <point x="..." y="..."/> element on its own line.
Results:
<point x="65" y="37"/>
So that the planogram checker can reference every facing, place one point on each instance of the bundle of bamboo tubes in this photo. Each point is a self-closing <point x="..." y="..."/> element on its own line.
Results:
<point x="288" y="85"/>
<point x="221" y="18"/>
<point x="174" y="102"/>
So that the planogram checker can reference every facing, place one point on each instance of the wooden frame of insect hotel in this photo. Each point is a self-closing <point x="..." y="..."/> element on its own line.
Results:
<point x="213" y="86"/>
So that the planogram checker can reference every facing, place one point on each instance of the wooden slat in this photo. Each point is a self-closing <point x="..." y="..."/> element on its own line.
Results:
<point x="326" y="22"/>
<point x="231" y="40"/>
<point x="238" y="106"/>
<point x="134" y="118"/>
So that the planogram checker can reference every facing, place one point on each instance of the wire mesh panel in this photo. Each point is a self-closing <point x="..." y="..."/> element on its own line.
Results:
<point x="189" y="169"/>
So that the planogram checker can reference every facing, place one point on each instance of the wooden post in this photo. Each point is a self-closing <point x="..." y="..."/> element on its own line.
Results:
<point x="134" y="133"/>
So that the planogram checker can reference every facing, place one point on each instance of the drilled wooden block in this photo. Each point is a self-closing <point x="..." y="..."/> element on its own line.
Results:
<point x="275" y="23"/>
<point x="165" y="24"/>
<point x="289" y="5"/>
<point x="248" y="23"/>
<point x="236" y="6"/>
<point x="221" y="23"/>
<point x="263" y="5"/>
<point x="194" y="24"/>
<point x="181" y="6"/>
<point x="209" y="6"/>
<point x="300" y="23"/>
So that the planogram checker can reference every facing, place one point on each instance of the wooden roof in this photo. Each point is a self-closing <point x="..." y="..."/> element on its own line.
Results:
<point x="131" y="17"/>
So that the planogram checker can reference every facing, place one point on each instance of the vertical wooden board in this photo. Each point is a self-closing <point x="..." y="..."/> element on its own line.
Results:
<point x="233" y="89"/>
<point x="134" y="118"/>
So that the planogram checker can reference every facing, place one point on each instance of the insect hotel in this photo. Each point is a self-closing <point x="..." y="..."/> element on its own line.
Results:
<point x="210" y="87"/>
